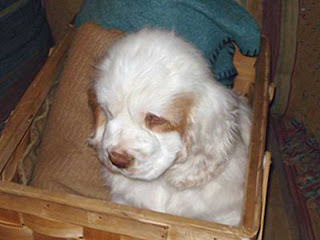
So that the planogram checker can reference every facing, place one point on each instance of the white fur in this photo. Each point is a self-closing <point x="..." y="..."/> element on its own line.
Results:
<point x="143" y="73"/>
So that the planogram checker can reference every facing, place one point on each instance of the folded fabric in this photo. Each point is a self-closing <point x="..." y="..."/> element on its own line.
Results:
<point x="66" y="163"/>
<point x="211" y="25"/>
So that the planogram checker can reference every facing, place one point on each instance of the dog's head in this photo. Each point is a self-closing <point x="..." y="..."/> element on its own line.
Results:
<point x="160" y="110"/>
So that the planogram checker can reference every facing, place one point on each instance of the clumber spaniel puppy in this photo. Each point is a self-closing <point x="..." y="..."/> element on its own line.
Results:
<point x="172" y="138"/>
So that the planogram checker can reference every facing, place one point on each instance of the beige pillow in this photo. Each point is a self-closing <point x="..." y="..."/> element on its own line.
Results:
<point x="66" y="162"/>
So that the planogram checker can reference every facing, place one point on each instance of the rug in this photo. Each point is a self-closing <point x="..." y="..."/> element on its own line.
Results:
<point x="301" y="150"/>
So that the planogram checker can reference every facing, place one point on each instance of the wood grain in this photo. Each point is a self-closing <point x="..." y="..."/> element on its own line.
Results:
<point x="267" y="163"/>
<point x="110" y="217"/>
<point x="244" y="81"/>
<point x="38" y="236"/>
<point x="252" y="205"/>
<point x="52" y="228"/>
<point x="9" y="217"/>
<point x="93" y="234"/>
<point x="10" y="170"/>
<point x="15" y="233"/>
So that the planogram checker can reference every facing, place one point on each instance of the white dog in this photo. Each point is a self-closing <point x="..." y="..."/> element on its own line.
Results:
<point x="172" y="138"/>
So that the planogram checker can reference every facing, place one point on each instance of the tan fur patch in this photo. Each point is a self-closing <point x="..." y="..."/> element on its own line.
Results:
<point x="177" y="116"/>
<point x="98" y="116"/>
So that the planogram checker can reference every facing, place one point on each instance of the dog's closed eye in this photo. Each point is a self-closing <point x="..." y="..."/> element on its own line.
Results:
<point x="157" y="124"/>
<point x="153" y="120"/>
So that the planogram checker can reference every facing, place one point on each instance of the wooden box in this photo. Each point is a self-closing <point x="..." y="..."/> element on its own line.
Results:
<point x="30" y="213"/>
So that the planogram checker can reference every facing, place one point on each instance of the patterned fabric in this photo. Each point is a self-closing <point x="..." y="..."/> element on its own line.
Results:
<point x="302" y="150"/>
<point x="211" y="25"/>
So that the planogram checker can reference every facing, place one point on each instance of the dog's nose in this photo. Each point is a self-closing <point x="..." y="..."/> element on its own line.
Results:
<point x="120" y="159"/>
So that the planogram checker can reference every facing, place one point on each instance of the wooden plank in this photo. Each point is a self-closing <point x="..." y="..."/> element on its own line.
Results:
<point x="188" y="233"/>
<point x="92" y="234"/>
<point x="52" y="228"/>
<point x="38" y="236"/>
<point x="10" y="170"/>
<point x="244" y="81"/>
<point x="15" y="233"/>
<point x="267" y="163"/>
<point x="9" y="217"/>
<point x="30" y="103"/>
<point x="128" y="238"/>
<point x="79" y="216"/>
<point x="252" y="204"/>
<point x="108" y="216"/>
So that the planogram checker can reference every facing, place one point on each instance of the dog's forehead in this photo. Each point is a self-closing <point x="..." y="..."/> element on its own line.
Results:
<point x="145" y="92"/>
<point x="144" y="76"/>
<point x="136" y="99"/>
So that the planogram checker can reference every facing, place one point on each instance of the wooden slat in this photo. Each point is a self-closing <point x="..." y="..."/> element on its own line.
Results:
<point x="244" y="65"/>
<point x="93" y="234"/>
<point x="9" y="217"/>
<point x="128" y="238"/>
<point x="252" y="205"/>
<point x="70" y="214"/>
<point x="30" y="103"/>
<point x="15" y="233"/>
<point x="267" y="163"/>
<point x="197" y="234"/>
<point x="52" y="228"/>
<point x="244" y="81"/>
<point x="110" y="217"/>
<point x="38" y="236"/>
<point x="10" y="170"/>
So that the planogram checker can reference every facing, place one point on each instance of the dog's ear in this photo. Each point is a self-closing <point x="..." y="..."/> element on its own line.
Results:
<point x="99" y="119"/>
<point x="210" y="138"/>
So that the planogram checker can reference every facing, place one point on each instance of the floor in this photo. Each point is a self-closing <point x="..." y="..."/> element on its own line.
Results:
<point x="280" y="222"/>
<point x="277" y="225"/>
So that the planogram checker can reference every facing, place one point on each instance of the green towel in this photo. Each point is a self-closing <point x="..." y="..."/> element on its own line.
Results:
<point x="211" y="25"/>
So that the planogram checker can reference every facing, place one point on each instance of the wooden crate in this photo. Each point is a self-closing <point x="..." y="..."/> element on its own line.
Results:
<point x="31" y="213"/>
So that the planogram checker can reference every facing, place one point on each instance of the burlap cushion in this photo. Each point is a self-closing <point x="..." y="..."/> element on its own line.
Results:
<point x="66" y="162"/>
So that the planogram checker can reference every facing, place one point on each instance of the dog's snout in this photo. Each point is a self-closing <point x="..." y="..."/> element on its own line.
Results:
<point x="121" y="159"/>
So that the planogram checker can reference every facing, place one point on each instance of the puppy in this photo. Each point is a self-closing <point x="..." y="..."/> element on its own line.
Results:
<point x="172" y="139"/>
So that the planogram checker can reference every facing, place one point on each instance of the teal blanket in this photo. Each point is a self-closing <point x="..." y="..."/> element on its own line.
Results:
<point x="211" y="25"/>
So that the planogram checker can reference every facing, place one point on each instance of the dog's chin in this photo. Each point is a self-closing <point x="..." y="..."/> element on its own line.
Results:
<point x="146" y="171"/>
